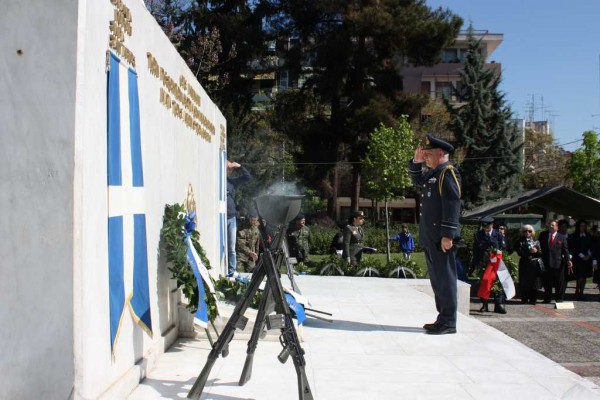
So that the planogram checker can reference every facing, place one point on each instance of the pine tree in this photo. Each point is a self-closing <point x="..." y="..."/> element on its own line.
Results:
<point x="506" y="150"/>
<point x="489" y="142"/>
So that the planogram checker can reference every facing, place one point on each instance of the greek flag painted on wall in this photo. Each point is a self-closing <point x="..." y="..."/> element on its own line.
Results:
<point x="223" y="205"/>
<point x="127" y="249"/>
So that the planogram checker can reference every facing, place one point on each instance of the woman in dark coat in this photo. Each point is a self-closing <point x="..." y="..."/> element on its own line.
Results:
<point x="529" y="250"/>
<point x="580" y="247"/>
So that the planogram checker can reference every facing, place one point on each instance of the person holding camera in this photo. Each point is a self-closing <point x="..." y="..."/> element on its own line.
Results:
<point x="530" y="252"/>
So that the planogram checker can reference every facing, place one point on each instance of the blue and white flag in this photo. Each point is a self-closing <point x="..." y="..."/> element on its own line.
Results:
<point x="200" y="272"/>
<point x="223" y="207"/>
<point x="127" y="247"/>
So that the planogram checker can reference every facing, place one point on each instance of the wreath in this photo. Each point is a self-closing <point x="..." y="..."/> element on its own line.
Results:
<point x="174" y="234"/>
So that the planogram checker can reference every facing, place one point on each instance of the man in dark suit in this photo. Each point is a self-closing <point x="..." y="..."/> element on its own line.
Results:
<point x="438" y="225"/>
<point x="556" y="258"/>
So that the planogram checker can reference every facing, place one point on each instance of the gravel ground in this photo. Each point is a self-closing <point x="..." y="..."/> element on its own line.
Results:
<point x="568" y="337"/>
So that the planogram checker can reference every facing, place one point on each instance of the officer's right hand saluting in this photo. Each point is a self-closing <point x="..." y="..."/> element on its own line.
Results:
<point x="418" y="155"/>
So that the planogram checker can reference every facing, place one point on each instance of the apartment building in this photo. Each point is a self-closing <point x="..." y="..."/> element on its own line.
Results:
<point x="440" y="80"/>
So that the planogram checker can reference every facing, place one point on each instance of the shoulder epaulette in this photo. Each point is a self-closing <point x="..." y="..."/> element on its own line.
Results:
<point x="443" y="175"/>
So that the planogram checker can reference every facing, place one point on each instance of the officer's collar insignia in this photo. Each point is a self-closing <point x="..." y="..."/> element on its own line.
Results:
<point x="432" y="180"/>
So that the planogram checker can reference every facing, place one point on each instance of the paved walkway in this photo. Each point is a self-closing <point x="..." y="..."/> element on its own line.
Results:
<point x="377" y="350"/>
<point x="571" y="337"/>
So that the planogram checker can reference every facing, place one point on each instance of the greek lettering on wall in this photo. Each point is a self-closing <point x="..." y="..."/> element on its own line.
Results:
<point x="120" y="27"/>
<point x="180" y="98"/>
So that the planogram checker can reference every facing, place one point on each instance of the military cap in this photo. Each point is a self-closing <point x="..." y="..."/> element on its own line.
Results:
<point x="431" y="142"/>
<point x="252" y="214"/>
<point x="485" y="221"/>
<point x="300" y="216"/>
<point x="358" y="214"/>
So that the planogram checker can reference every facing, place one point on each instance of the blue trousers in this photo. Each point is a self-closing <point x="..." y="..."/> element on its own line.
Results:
<point x="442" y="274"/>
<point x="231" y="236"/>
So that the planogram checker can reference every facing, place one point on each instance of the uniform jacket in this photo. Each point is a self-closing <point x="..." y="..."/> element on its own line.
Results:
<point x="354" y="238"/>
<point x="298" y="240"/>
<point x="440" y="202"/>
<point x="483" y="243"/>
<point x="556" y="255"/>
<point x="247" y="242"/>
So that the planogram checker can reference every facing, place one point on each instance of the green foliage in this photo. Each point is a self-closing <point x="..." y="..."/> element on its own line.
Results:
<point x="584" y="166"/>
<point x="384" y="166"/>
<point x="176" y="253"/>
<point x="320" y="239"/>
<point x="232" y="291"/>
<point x="544" y="162"/>
<point x="312" y="203"/>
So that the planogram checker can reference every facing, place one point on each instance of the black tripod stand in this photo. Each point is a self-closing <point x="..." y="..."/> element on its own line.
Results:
<point x="278" y="210"/>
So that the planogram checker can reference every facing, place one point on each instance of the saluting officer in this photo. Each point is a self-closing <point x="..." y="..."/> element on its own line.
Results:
<point x="354" y="238"/>
<point x="438" y="226"/>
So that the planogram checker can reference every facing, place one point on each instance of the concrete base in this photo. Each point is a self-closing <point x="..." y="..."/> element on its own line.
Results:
<point x="128" y="382"/>
<point x="565" y="305"/>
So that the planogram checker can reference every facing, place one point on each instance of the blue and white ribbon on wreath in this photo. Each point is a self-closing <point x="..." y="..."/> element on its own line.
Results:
<point x="200" y="272"/>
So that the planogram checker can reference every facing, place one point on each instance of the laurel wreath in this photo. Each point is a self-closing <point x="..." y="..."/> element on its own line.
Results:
<point x="173" y="236"/>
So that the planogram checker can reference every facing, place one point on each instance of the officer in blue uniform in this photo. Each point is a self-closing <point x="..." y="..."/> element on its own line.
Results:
<point x="440" y="209"/>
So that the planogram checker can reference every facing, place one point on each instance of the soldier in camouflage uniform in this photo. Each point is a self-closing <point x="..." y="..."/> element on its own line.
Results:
<point x="354" y="239"/>
<point x="298" y="239"/>
<point x="247" y="245"/>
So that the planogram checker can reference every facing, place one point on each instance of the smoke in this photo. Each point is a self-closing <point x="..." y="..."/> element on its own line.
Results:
<point x="283" y="189"/>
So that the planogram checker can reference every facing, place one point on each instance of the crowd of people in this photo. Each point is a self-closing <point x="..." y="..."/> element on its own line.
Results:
<point x="547" y="262"/>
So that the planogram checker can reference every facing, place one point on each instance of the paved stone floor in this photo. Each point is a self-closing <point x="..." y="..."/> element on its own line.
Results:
<point x="568" y="337"/>
<point x="376" y="349"/>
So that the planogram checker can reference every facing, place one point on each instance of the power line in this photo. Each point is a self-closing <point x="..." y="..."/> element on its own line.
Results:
<point x="360" y="162"/>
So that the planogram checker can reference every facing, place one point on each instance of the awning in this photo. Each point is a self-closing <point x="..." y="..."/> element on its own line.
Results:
<point x="559" y="199"/>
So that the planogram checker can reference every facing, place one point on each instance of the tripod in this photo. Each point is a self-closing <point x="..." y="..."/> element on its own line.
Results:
<point x="279" y="210"/>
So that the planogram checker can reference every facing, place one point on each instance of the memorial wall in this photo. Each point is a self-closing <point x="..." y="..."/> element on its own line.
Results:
<point x="103" y="125"/>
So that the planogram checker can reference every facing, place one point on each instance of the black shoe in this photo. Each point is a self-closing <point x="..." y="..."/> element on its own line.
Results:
<point x="431" y="326"/>
<point x="441" y="330"/>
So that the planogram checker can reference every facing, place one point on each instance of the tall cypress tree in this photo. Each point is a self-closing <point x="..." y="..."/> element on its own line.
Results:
<point x="489" y="142"/>
<point x="506" y="155"/>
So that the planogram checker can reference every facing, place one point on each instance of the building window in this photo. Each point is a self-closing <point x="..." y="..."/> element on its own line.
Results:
<point x="450" y="56"/>
<point x="444" y="90"/>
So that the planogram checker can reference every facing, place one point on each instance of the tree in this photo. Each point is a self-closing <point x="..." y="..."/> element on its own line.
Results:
<point x="385" y="165"/>
<point x="544" y="162"/>
<point x="221" y="42"/>
<point x="356" y="50"/>
<point x="584" y="166"/>
<point x="489" y="143"/>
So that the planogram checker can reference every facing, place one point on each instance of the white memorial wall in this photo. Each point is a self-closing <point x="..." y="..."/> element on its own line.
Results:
<point x="55" y="157"/>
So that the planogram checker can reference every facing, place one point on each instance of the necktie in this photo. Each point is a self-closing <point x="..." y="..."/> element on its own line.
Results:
<point x="551" y="239"/>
